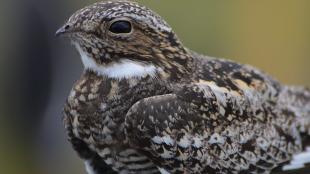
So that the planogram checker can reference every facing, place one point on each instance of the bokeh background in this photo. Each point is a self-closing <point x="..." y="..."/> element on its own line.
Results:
<point x="37" y="70"/>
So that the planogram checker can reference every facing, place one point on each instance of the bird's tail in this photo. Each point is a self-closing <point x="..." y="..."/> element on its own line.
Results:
<point x="297" y="101"/>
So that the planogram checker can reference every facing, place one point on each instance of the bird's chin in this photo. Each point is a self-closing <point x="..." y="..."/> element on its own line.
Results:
<point x="65" y="34"/>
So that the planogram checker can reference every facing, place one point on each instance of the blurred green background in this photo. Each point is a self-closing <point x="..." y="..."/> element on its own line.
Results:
<point x="37" y="70"/>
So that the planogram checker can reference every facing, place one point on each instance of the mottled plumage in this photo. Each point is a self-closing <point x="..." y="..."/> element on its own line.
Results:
<point x="146" y="104"/>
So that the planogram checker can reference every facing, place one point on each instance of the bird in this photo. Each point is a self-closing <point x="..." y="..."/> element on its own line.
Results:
<point x="147" y="104"/>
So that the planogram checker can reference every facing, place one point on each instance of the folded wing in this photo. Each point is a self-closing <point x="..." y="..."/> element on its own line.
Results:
<point x="200" y="128"/>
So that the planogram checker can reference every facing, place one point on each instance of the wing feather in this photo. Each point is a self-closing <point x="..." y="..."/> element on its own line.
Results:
<point x="200" y="128"/>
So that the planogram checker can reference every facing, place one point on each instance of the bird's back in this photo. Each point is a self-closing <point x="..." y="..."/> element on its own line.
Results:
<point x="280" y="108"/>
<point x="236" y="78"/>
<point x="251" y="83"/>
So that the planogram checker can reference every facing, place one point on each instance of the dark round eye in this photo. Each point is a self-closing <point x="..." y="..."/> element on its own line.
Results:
<point x="120" y="27"/>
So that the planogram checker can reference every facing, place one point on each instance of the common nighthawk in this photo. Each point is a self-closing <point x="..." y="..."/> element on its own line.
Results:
<point x="146" y="104"/>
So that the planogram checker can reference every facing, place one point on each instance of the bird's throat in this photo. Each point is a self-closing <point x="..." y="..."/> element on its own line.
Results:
<point x="123" y="68"/>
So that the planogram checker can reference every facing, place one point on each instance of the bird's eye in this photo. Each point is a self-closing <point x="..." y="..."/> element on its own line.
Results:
<point x="119" y="27"/>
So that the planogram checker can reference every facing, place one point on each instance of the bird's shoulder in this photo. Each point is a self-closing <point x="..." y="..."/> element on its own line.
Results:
<point x="228" y="75"/>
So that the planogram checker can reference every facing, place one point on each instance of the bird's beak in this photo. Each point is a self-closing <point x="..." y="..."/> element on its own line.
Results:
<point x="63" y="30"/>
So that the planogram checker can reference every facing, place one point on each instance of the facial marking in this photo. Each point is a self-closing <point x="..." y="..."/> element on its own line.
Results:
<point x="124" y="68"/>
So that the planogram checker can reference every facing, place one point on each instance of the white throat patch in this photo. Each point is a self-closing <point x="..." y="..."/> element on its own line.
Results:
<point x="123" y="69"/>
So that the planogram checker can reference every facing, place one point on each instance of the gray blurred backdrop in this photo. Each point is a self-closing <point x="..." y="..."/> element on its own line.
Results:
<point x="37" y="70"/>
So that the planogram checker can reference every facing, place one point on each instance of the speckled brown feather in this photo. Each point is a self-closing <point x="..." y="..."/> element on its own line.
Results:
<point x="195" y="114"/>
<point x="215" y="126"/>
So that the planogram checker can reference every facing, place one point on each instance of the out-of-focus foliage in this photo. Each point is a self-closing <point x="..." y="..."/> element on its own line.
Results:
<point x="272" y="35"/>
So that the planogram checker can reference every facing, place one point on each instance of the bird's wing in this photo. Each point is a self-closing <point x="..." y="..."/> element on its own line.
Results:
<point x="200" y="128"/>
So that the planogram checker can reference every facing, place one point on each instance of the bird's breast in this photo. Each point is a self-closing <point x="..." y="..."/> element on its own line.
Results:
<point x="97" y="106"/>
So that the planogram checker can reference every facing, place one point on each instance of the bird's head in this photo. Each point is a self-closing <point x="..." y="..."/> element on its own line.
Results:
<point x="123" y="39"/>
